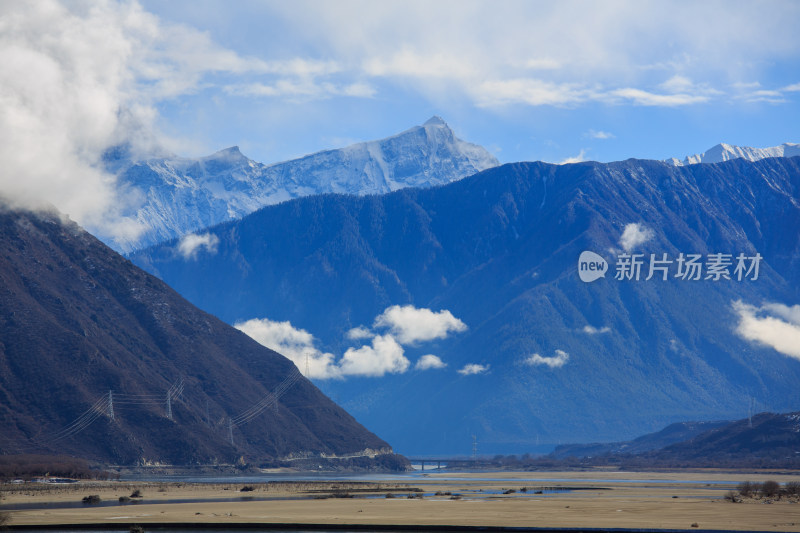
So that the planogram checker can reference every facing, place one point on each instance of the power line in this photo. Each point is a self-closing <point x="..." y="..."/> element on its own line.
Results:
<point x="269" y="400"/>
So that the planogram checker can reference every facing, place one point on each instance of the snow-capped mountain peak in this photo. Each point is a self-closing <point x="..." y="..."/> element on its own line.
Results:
<point x="726" y="152"/>
<point x="183" y="195"/>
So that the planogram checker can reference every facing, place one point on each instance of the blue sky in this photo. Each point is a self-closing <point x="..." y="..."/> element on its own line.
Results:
<point x="528" y="80"/>
<point x="552" y="81"/>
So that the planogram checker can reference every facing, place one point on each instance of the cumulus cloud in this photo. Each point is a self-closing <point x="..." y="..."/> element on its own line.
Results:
<point x="426" y="362"/>
<point x="773" y="324"/>
<point x="295" y="344"/>
<point x="359" y="333"/>
<point x="410" y="325"/>
<point x="591" y="330"/>
<point x="190" y="245"/>
<point x="559" y="360"/>
<point x="383" y="356"/>
<point x="473" y="369"/>
<point x="634" y="235"/>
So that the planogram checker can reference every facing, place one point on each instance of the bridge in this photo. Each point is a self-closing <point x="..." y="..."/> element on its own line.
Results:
<point x="440" y="460"/>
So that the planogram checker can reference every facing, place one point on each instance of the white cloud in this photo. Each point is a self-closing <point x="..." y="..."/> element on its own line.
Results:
<point x="409" y="324"/>
<point x="78" y="78"/>
<point x="359" y="333"/>
<point x="295" y="344"/>
<point x="190" y="245"/>
<point x="473" y="369"/>
<point x="558" y="361"/>
<point x="591" y="330"/>
<point x="429" y="361"/>
<point x="528" y="91"/>
<point x="385" y="355"/>
<point x="774" y="325"/>
<point x="581" y="54"/>
<point x="302" y="89"/>
<point x="633" y="235"/>
<point x="648" y="98"/>
<point x="576" y="159"/>
<point x="602" y="135"/>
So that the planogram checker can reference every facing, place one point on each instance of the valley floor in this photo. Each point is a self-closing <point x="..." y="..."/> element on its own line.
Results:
<point x="589" y="499"/>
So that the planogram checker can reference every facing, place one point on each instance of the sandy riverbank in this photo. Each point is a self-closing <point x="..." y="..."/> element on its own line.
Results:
<point x="676" y="500"/>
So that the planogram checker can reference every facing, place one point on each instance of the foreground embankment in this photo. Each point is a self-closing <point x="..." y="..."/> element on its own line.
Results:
<point x="592" y="499"/>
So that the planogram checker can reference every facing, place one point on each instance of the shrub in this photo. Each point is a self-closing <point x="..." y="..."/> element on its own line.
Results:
<point x="136" y="494"/>
<point x="731" y="496"/>
<point x="746" y="489"/>
<point x="792" y="488"/>
<point x="770" y="489"/>
<point x="247" y="488"/>
<point x="91" y="499"/>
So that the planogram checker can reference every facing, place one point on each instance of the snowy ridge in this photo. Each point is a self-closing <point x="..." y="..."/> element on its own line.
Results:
<point x="180" y="195"/>
<point x="726" y="152"/>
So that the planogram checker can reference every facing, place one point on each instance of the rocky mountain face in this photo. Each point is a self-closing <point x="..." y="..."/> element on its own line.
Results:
<point x="177" y="196"/>
<point x="546" y="357"/>
<point x="726" y="152"/>
<point x="101" y="360"/>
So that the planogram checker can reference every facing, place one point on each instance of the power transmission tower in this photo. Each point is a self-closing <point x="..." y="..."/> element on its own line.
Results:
<point x="169" y="405"/>
<point x="230" y="430"/>
<point x="307" y="374"/>
<point x="474" y="447"/>
<point x="111" y="404"/>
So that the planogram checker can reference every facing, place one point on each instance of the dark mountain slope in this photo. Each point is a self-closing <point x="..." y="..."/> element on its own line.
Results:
<point x="672" y="434"/>
<point x="500" y="250"/>
<point x="77" y="321"/>
<point x="767" y="436"/>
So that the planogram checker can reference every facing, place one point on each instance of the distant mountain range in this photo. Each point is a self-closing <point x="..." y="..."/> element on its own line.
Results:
<point x="766" y="440"/>
<point x="545" y="358"/>
<point x="726" y="152"/>
<point x="672" y="434"/>
<point x="101" y="360"/>
<point x="180" y="195"/>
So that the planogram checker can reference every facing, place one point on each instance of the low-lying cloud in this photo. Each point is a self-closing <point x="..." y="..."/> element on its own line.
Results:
<point x="473" y="369"/>
<point x="79" y="78"/>
<point x="410" y="325"/>
<point x="773" y="324"/>
<point x="634" y="235"/>
<point x="559" y="360"/>
<point x="383" y="356"/>
<point x="427" y="362"/>
<point x="296" y="344"/>
<point x="190" y="245"/>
